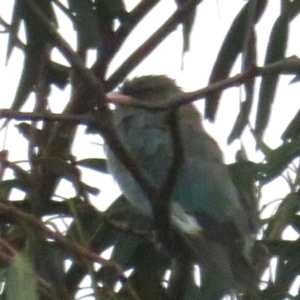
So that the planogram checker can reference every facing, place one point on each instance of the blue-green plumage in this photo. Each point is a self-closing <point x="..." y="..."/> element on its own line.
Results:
<point x="203" y="188"/>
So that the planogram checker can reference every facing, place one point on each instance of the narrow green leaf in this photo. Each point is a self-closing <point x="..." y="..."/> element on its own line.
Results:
<point x="87" y="23"/>
<point x="90" y="189"/>
<point x="59" y="167"/>
<point x="148" y="273"/>
<point x="96" y="164"/>
<point x="67" y="171"/>
<point x="21" y="279"/>
<point x="230" y="49"/>
<point x="278" y="159"/>
<point x="21" y="175"/>
<point x="28" y="131"/>
<point x="14" y="28"/>
<point x="7" y="185"/>
<point x="37" y="39"/>
<point x="283" y="217"/>
<point x="245" y="108"/>
<point x="293" y="129"/>
<point x="275" y="52"/>
<point x="187" y="24"/>
<point x="58" y="74"/>
<point x="295" y="79"/>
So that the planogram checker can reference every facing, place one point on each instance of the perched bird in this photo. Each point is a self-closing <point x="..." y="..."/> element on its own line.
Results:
<point x="203" y="189"/>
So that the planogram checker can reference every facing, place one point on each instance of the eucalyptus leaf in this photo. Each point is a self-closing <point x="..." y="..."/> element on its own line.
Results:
<point x="275" y="51"/>
<point x="96" y="164"/>
<point x="21" y="279"/>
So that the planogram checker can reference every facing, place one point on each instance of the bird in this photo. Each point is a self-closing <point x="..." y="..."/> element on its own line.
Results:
<point x="203" y="190"/>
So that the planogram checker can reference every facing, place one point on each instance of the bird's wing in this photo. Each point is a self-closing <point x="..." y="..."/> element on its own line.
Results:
<point x="205" y="187"/>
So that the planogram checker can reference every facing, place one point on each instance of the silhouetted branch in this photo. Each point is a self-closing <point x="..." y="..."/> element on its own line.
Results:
<point x="286" y="66"/>
<point x="20" y="216"/>
<point x="153" y="41"/>
<point x="68" y="52"/>
<point x="129" y="23"/>
<point x="161" y="203"/>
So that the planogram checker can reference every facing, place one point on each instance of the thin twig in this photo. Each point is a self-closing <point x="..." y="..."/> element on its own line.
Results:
<point x="153" y="41"/>
<point x="130" y="22"/>
<point x="16" y="39"/>
<point x="161" y="203"/>
<point x="162" y="212"/>
<point x="9" y="210"/>
<point x="22" y="116"/>
<point x="286" y="66"/>
<point x="68" y="52"/>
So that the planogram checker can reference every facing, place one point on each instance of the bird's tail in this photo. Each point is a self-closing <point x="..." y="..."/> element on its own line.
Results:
<point x="244" y="273"/>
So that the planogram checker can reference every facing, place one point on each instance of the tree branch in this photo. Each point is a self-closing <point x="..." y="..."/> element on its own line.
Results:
<point x="20" y="216"/>
<point x="288" y="66"/>
<point x="153" y="41"/>
<point x="68" y="52"/>
<point x="132" y="19"/>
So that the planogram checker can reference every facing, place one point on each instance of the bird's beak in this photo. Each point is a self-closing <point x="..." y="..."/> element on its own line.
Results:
<point x="118" y="99"/>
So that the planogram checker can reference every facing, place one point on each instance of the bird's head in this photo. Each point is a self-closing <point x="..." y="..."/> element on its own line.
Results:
<point x="151" y="88"/>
